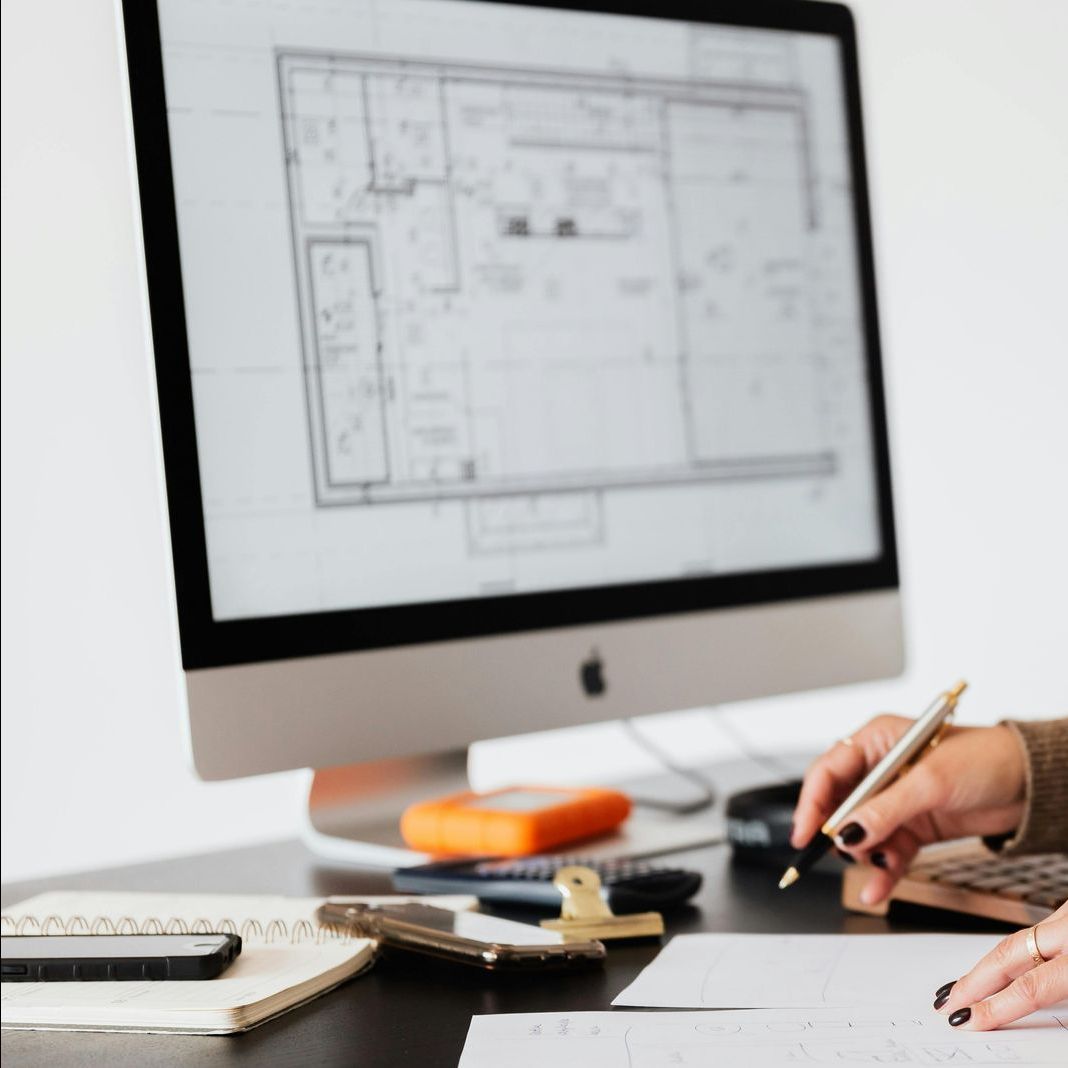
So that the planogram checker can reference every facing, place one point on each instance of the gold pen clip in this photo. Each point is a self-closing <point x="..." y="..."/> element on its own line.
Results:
<point x="951" y="696"/>
<point x="946" y="723"/>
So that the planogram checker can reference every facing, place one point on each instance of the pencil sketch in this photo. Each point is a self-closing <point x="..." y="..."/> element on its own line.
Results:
<point x="717" y="970"/>
<point x="759" y="1038"/>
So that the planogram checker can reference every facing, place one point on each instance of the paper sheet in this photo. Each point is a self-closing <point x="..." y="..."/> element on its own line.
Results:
<point x="760" y="1038"/>
<point x="756" y="971"/>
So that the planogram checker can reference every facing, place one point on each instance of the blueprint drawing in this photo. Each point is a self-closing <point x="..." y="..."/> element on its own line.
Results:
<point x="523" y="288"/>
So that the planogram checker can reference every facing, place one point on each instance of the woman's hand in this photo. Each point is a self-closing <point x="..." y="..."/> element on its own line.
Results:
<point x="1007" y="983"/>
<point x="972" y="783"/>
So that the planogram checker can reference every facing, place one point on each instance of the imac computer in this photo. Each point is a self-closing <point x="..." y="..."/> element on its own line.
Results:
<point x="517" y="367"/>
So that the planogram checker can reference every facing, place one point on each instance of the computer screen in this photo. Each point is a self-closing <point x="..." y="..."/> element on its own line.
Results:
<point x="517" y="364"/>
<point x="485" y="300"/>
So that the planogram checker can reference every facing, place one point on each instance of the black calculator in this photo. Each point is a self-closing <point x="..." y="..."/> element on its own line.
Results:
<point x="630" y="885"/>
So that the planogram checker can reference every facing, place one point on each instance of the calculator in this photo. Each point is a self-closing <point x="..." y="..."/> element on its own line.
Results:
<point x="629" y="885"/>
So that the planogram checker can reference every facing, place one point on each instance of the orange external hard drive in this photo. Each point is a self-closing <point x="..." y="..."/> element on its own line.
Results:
<point x="513" y="822"/>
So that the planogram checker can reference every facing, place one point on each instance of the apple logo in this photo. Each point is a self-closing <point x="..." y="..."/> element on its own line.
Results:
<point x="591" y="672"/>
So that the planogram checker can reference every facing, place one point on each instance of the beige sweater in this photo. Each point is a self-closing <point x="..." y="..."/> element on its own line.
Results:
<point x="1044" y="827"/>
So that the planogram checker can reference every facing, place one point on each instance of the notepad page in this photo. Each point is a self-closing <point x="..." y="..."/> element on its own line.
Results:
<point x="286" y="959"/>
<point x="217" y="911"/>
<point x="261" y="982"/>
<point x="251" y="915"/>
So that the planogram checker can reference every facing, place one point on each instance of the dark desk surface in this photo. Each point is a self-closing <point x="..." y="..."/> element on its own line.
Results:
<point x="415" y="1016"/>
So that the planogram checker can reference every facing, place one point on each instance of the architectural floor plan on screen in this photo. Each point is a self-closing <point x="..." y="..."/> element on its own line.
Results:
<point x="525" y="289"/>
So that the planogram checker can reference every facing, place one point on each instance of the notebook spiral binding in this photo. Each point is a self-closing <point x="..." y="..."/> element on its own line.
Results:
<point x="276" y="931"/>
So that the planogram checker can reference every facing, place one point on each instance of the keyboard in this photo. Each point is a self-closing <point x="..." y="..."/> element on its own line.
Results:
<point x="967" y="877"/>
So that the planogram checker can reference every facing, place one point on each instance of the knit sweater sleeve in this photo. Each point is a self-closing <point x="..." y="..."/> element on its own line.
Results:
<point x="1044" y="826"/>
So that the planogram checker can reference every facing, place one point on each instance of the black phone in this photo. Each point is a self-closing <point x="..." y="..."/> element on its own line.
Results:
<point x="73" y="958"/>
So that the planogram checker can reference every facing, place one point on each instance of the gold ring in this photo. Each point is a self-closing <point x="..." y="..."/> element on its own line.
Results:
<point x="1032" y="946"/>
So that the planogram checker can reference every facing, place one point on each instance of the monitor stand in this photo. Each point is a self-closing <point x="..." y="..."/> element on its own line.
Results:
<point x="353" y="814"/>
<point x="354" y="810"/>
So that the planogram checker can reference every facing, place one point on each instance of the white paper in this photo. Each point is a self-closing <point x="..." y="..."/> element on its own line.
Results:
<point x="756" y="971"/>
<point x="761" y="1038"/>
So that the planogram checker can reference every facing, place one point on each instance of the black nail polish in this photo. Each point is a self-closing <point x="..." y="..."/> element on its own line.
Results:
<point x="959" y="1017"/>
<point x="851" y="834"/>
<point x="846" y="856"/>
<point x="878" y="858"/>
<point x="945" y="988"/>
<point x="941" y="999"/>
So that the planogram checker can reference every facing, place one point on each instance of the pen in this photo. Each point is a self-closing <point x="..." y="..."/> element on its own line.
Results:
<point x="922" y="735"/>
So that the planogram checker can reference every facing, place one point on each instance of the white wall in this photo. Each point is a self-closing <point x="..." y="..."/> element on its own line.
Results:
<point x="968" y="149"/>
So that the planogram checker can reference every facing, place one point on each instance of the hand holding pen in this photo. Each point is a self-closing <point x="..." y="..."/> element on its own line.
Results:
<point x="972" y="783"/>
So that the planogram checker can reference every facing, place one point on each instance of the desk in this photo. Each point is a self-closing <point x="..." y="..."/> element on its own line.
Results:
<point x="415" y="1017"/>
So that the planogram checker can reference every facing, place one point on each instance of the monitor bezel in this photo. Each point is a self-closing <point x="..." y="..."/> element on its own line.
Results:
<point x="207" y="642"/>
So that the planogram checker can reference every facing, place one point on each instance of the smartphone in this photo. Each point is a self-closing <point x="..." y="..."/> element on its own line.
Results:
<point x="471" y="938"/>
<point x="72" y="958"/>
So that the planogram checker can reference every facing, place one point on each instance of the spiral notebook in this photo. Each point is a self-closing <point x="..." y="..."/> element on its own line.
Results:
<point x="286" y="960"/>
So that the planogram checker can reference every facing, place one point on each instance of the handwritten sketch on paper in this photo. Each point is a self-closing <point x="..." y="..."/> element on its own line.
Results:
<point x="760" y="1038"/>
<point x="747" y="971"/>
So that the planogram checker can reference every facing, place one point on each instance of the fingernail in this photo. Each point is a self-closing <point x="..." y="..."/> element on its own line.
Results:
<point x="878" y="858"/>
<point x="959" y="1017"/>
<point x="846" y="857"/>
<point x="943" y="992"/>
<point x="851" y="834"/>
